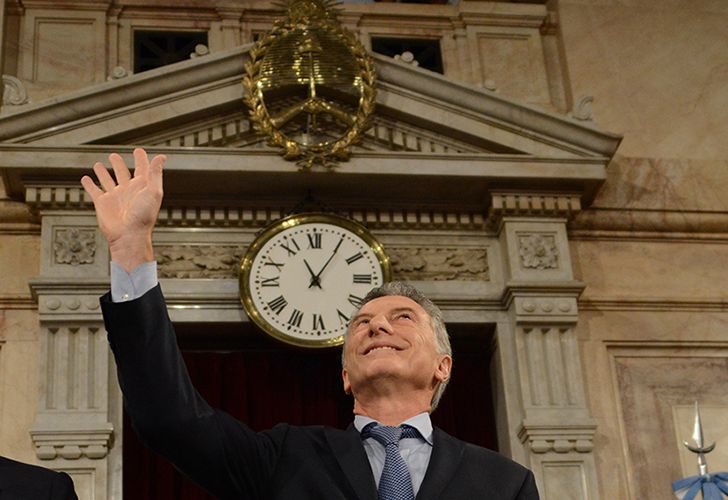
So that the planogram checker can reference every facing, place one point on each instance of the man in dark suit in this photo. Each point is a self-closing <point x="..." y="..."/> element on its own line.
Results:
<point x="19" y="481"/>
<point x="396" y="361"/>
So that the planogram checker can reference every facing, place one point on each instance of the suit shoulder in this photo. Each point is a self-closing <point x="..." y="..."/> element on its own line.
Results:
<point x="472" y="450"/>
<point x="473" y="453"/>
<point x="27" y="470"/>
<point x="22" y="477"/>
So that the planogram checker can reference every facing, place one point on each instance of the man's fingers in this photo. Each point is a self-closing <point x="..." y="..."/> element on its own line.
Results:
<point x="91" y="188"/>
<point x="155" y="172"/>
<point x="141" y="163"/>
<point x="104" y="177"/>
<point x="121" y="171"/>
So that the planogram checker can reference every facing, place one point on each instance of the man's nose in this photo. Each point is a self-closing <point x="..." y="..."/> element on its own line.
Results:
<point x="379" y="324"/>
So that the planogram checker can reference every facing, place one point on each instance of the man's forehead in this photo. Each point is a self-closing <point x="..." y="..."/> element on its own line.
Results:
<point x="390" y="302"/>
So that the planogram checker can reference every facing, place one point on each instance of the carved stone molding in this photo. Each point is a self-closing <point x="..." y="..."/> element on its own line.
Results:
<point x="72" y="197"/>
<point x="538" y="251"/>
<point x="118" y="72"/>
<point x="64" y="304"/>
<point x="44" y="197"/>
<point x="74" y="246"/>
<point x="14" y="93"/>
<point x="195" y="261"/>
<point x="562" y="205"/>
<point x="235" y="131"/>
<point x="528" y="308"/>
<point x="71" y="444"/>
<point x="583" y="108"/>
<point x="558" y="439"/>
<point x="439" y="264"/>
<point x="412" y="263"/>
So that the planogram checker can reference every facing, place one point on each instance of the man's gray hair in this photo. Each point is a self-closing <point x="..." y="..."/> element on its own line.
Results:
<point x="442" y="339"/>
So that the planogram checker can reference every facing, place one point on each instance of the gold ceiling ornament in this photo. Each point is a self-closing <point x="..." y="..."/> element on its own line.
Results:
<point x="310" y="85"/>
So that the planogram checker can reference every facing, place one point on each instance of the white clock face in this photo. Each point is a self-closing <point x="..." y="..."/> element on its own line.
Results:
<point x="305" y="280"/>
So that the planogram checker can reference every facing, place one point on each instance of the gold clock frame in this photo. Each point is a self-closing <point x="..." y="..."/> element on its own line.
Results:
<point x="282" y="225"/>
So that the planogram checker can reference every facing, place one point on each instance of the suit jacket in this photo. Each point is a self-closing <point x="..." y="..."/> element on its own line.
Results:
<point x="286" y="462"/>
<point x="19" y="481"/>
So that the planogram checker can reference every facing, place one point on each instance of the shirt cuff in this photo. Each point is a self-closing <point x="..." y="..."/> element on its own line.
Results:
<point x="129" y="286"/>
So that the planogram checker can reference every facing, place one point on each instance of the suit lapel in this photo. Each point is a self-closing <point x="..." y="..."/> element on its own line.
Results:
<point x="447" y="452"/>
<point x="353" y="460"/>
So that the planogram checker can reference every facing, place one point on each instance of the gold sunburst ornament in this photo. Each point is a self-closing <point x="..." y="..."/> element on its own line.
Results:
<point x="310" y="85"/>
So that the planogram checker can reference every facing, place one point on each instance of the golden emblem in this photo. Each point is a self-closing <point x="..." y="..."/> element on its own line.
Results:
<point x="310" y="85"/>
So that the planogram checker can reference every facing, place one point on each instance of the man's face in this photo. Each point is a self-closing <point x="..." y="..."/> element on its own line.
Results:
<point x="391" y="339"/>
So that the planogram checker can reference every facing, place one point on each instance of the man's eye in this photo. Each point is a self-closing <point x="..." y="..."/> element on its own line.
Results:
<point x="404" y="316"/>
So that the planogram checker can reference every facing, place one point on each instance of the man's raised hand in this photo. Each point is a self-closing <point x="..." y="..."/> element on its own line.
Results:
<point x="126" y="209"/>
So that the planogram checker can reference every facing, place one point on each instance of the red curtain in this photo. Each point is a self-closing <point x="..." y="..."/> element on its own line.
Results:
<point x="265" y="386"/>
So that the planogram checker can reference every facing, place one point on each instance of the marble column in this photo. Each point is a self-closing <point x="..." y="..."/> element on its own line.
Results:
<point x="550" y="427"/>
<point x="80" y="404"/>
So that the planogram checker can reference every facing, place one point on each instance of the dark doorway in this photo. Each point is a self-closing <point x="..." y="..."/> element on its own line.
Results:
<point x="263" y="383"/>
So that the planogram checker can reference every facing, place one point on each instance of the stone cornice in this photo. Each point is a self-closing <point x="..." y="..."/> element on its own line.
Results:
<point x="534" y="204"/>
<point x="603" y="222"/>
<point x="654" y="304"/>
<point x="47" y="177"/>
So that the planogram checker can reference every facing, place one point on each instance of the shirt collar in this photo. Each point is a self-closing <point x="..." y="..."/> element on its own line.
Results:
<point x="420" y="422"/>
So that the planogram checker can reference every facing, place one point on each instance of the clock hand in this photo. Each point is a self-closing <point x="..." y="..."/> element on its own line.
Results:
<point x="314" y="279"/>
<point x="336" y="249"/>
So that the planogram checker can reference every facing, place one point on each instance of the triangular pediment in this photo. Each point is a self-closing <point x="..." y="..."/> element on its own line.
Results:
<point x="199" y="103"/>
<point x="465" y="140"/>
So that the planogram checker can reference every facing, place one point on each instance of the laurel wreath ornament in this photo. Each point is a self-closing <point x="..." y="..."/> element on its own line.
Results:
<point x="310" y="15"/>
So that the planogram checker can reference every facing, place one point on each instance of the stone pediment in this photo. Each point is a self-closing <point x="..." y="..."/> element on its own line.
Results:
<point x="425" y="125"/>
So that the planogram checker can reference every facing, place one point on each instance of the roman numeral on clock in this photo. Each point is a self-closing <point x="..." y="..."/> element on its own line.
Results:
<point x="314" y="240"/>
<point x="354" y="258"/>
<point x="355" y="301"/>
<point x="318" y="322"/>
<point x="278" y="304"/>
<point x="291" y="252"/>
<point x="343" y="318"/>
<point x="270" y="281"/>
<point x="295" y="319"/>
<point x="363" y="278"/>
<point x="271" y="262"/>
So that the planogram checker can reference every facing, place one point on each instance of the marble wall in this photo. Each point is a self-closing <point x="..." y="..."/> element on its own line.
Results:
<point x="657" y="71"/>
<point x="651" y="249"/>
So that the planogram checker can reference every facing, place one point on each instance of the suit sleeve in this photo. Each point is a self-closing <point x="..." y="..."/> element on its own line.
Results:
<point x="528" y="488"/>
<point x="221" y="454"/>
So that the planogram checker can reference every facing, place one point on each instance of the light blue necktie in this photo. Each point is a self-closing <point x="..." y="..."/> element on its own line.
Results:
<point x="395" y="483"/>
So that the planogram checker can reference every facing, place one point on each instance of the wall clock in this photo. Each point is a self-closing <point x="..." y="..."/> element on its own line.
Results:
<point x="304" y="275"/>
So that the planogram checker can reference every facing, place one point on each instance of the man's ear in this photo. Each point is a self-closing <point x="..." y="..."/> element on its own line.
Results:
<point x="345" y="379"/>
<point x="442" y="372"/>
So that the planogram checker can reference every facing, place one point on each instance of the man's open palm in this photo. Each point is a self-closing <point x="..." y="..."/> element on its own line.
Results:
<point x="126" y="209"/>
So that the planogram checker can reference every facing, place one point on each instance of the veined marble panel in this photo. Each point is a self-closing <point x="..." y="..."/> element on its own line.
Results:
<point x="657" y="71"/>
<point x="664" y="184"/>
<point x="653" y="389"/>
